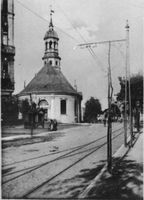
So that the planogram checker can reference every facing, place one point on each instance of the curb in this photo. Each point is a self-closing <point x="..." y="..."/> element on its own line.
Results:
<point x="122" y="151"/>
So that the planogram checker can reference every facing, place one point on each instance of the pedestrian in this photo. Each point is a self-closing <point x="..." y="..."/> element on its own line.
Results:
<point x="54" y="125"/>
<point x="49" y="125"/>
<point x="137" y="118"/>
<point x="104" y="119"/>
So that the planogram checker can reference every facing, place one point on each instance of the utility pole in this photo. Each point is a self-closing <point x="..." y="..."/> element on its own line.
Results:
<point x="128" y="80"/>
<point x="31" y="115"/>
<point x="109" y="129"/>
<point x="110" y="93"/>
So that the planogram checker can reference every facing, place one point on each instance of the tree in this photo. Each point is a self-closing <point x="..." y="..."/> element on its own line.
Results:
<point x="92" y="109"/>
<point x="24" y="107"/>
<point x="115" y="111"/>
<point x="9" y="108"/>
<point x="136" y="87"/>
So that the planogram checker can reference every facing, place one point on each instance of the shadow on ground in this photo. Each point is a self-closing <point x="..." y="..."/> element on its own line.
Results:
<point x="125" y="183"/>
<point x="72" y="187"/>
<point x="26" y="141"/>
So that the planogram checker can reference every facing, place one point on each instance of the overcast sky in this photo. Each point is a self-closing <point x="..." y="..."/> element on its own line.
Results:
<point x="76" y="22"/>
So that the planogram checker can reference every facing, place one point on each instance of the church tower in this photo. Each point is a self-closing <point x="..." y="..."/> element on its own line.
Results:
<point x="50" y="89"/>
<point x="51" y="55"/>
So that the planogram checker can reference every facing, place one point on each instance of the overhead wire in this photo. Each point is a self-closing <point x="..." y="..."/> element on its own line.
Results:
<point x="89" y="48"/>
<point x="36" y="14"/>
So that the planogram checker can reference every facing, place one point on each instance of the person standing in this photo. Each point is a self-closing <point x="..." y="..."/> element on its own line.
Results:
<point x="137" y="116"/>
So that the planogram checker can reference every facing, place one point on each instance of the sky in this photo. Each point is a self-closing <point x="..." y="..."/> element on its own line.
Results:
<point x="78" y="22"/>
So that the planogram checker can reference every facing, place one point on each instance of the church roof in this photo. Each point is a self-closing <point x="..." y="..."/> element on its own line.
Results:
<point x="49" y="80"/>
<point x="51" y="34"/>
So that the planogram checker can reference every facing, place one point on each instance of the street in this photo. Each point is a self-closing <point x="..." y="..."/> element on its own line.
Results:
<point x="58" y="168"/>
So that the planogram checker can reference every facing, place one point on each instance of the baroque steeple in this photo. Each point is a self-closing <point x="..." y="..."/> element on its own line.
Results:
<point x="51" y="54"/>
<point x="51" y="23"/>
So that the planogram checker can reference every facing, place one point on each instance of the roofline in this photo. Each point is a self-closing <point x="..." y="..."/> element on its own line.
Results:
<point x="48" y="93"/>
<point x="45" y="37"/>
<point x="51" y="57"/>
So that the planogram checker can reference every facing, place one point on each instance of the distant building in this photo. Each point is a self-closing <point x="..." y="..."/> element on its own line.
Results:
<point x="49" y="89"/>
<point x="7" y="48"/>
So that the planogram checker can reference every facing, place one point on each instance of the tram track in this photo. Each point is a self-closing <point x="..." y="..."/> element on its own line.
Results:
<point x="65" y="169"/>
<point x="32" y="168"/>
<point x="68" y="154"/>
<point x="42" y="156"/>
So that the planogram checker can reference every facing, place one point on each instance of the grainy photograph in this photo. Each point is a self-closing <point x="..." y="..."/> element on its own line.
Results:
<point x="72" y="99"/>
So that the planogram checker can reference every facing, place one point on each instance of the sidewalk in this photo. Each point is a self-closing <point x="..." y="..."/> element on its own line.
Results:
<point x="126" y="181"/>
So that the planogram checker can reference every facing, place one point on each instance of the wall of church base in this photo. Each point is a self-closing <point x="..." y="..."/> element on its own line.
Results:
<point x="54" y="106"/>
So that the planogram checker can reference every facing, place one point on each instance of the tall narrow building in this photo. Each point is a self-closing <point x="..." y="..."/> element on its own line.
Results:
<point x="50" y="89"/>
<point x="7" y="48"/>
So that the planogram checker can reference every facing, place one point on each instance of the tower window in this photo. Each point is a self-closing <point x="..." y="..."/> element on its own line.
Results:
<point x="46" y="45"/>
<point x="55" y="45"/>
<point x="50" y="44"/>
<point x="50" y="62"/>
<point x="56" y="62"/>
<point x="63" y="106"/>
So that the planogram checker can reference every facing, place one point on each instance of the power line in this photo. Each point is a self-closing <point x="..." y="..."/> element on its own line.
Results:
<point x="36" y="14"/>
<point x="89" y="48"/>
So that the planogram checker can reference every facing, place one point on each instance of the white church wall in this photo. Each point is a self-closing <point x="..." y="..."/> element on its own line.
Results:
<point x="69" y="117"/>
<point x="54" y="109"/>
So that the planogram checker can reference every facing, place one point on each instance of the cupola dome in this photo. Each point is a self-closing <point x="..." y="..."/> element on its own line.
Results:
<point x="51" y="54"/>
<point x="51" y="34"/>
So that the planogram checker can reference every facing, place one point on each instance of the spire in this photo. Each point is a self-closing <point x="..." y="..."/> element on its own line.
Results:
<point x="51" y="54"/>
<point x="51" y="23"/>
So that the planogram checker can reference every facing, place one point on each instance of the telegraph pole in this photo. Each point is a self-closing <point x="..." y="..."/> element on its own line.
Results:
<point x="128" y="80"/>
<point x="109" y="129"/>
<point x="31" y="115"/>
<point x="110" y="93"/>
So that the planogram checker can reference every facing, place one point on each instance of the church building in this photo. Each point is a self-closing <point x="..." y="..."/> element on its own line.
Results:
<point x="50" y="89"/>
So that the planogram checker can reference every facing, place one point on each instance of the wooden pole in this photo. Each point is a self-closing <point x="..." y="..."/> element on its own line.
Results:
<point x="129" y="84"/>
<point x="31" y="116"/>
<point x="109" y="129"/>
<point x="125" y="108"/>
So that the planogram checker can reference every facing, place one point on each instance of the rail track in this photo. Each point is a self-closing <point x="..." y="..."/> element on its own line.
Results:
<point x="86" y="149"/>
<point x="65" y="150"/>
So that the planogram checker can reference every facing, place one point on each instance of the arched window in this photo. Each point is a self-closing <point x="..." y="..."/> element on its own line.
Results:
<point x="55" y="45"/>
<point x="63" y="106"/>
<point x="46" y="45"/>
<point x="50" y="62"/>
<point x="56" y="62"/>
<point x="43" y="103"/>
<point x="50" y="44"/>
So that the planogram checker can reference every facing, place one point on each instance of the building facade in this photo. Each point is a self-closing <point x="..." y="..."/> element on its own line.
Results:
<point x="7" y="48"/>
<point x="50" y="89"/>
